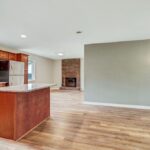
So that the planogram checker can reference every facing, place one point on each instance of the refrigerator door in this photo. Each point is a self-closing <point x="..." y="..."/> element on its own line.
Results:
<point x="16" y="68"/>
<point x="16" y="80"/>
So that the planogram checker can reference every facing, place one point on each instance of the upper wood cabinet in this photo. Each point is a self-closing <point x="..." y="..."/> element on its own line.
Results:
<point x="12" y="56"/>
<point x="4" y="55"/>
<point x="22" y="57"/>
<point x="17" y="57"/>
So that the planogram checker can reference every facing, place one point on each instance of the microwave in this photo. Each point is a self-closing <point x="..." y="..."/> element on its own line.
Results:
<point x="4" y="71"/>
<point x="4" y="65"/>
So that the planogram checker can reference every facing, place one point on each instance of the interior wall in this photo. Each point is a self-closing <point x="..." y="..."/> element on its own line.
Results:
<point x="9" y="49"/>
<point x="118" y="73"/>
<point x="82" y="74"/>
<point x="43" y="69"/>
<point x="57" y="73"/>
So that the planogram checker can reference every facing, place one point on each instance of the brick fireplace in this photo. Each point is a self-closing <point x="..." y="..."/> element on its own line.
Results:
<point x="70" y="74"/>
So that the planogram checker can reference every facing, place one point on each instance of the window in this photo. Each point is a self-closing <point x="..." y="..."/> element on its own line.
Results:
<point x="31" y="71"/>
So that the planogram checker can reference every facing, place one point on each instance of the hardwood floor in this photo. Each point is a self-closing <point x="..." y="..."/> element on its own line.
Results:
<point x="74" y="126"/>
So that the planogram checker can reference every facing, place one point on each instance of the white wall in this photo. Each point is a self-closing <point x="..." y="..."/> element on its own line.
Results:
<point x="82" y="74"/>
<point x="43" y="69"/>
<point x="57" y="72"/>
<point x="9" y="49"/>
<point x="118" y="73"/>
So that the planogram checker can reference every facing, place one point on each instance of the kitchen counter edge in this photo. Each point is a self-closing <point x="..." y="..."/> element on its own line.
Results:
<point x="26" y="87"/>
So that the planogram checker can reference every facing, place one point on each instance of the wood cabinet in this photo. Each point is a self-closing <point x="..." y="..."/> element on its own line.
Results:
<point x="17" y="57"/>
<point x="4" y="55"/>
<point x="22" y="111"/>
<point x="22" y="57"/>
<point x="12" y="56"/>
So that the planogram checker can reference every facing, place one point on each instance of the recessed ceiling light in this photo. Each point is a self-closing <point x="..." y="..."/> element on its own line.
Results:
<point x="23" y="36"/>
<point x="60" y="54"/>
<point x="79" y="32"/>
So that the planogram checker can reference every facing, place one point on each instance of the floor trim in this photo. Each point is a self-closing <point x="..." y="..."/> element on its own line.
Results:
<point x="117" y="105"/>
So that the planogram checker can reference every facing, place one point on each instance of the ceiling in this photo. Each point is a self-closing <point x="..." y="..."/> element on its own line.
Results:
<point x="51" y="25"/>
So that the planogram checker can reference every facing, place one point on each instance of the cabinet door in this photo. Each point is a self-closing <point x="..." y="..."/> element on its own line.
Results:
<point x="22" y="57"/>
<point x="12" y="56"/>
<point x="4" y="55"/>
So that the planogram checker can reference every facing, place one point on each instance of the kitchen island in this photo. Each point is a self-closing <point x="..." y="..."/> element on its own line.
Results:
<point x="22" y="108"/>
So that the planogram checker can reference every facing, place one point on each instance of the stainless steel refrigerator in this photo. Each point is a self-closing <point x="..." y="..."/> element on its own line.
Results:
<point x="12" y="72"/>
<point x="16" y="73"/>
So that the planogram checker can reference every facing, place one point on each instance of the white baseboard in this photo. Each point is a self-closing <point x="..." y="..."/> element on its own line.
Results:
<point x="117" y="105"/>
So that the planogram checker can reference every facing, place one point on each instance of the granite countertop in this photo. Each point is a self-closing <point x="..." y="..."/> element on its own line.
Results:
<point x="26" y="87"/>
<point x="3" y="82"/>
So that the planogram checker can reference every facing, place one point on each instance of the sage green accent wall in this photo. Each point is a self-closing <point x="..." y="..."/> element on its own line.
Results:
<point x="118" y="73"/>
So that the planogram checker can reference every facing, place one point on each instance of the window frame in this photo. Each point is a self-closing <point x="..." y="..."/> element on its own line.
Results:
<point x="33" y="70"/>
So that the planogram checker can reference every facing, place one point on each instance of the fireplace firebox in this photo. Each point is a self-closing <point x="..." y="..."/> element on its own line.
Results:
<point x="70" y="82"/>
